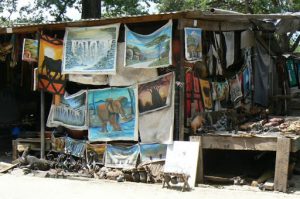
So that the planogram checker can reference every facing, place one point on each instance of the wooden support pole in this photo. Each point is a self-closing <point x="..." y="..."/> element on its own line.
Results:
<point x="200" y="165"/>
<point x="42" y="124"/>
<point x="282" y="164"/>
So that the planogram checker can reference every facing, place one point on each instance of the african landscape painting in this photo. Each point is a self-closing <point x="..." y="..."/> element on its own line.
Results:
<point x="155" y="94"/>
<point x="149" y="51"/>
<point x="152" y="152"/>
<point x="193" y="44"/>
<point x="112" y="114"/>
<point x="70" y="112"/>
<point x="30" y="50"/>
<point x="91" y="50"/>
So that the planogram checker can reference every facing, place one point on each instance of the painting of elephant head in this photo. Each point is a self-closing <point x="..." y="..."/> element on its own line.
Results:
<point x="112" y="114"/>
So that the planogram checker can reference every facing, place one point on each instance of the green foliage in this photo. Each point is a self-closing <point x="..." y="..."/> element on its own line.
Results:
<point x="244" y="6"/>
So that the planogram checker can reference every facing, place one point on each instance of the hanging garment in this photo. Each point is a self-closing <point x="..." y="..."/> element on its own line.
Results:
<point x="262" y="62"/>
<point x="206" y="94"/>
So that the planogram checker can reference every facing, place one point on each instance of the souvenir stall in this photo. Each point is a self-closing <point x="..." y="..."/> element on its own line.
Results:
<point x="125" y="90"/>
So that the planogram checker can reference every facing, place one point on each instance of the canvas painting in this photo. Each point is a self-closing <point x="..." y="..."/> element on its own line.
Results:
<point x="112" y="114"/>
<point x="155" y="94"/>
<point x="206" y="93"/>
<point x="30" y="50"/>
<point x="158" y="126"/>
<point x="149" y="51"/>
<point x="182" y="157"/>
<point x="75" y="147"/>
<point x="152" y="153"/>
<point x="95" y="153"/>
<point x="91" y="50"/>
<point x="193" y="44"/>
<point x="121" y="157"/>
<point x="70" y="112"/>
<point x="57" y="144"/>
<point x="49" y="66"/>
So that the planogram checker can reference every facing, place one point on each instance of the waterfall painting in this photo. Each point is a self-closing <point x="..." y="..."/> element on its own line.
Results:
<point x="121" y="157"/>
<point x="193" y="44"/>
<point x="112" y="114"/>
<point x="156" y="94"/>
<point x="70" y="112"/>
<point x="149" y="51"/>
<point x="152" y="153"/>
<point x="91" y="50"/>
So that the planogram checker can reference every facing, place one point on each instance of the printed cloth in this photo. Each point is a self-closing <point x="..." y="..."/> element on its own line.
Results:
<point x="30" y="50"/>
<point x="149" y="51"/>
<point x="70" y="112"/>
<point x="152" y="153"/>
<point x="127" y="76"/>
<point x="121" y="157"/>
<point x="113" y="114"/>
<point x="193" y="44"/>
<point x="49" y="65"/>
<point x="206" y="94"/>
<point x="91" y="50"/>
<point x="157" y="126"/>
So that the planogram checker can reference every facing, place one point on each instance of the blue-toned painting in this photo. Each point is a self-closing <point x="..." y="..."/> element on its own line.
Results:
<point x="193" y="44"/>
<point x="70" y="112"/>
<point x="91" y="50"/>
<point x="152" y="152"/>
<point x="121" y="157"/>
<point x="149" y="51"/>
<point x="112" y="114"/>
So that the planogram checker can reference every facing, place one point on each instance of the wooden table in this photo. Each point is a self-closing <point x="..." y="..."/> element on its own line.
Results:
<point x="282" y="145"/>
<point x="34" y="144"/>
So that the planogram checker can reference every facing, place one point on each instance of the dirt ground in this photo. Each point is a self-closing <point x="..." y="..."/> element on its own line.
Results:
<point x="23" y="187"/>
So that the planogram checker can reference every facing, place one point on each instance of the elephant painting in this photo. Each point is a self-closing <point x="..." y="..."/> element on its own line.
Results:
<point x="110" y="112"/>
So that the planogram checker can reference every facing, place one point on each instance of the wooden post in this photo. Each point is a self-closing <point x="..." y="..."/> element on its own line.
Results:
<point x="42" y="124"/>
<point x="200" y="165"/>
<point x="282" y="164"/>
<point x="182" y="82"/>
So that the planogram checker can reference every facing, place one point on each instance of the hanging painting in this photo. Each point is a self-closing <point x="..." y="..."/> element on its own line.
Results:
<point x="95" y="153"/>
<point x="91" y="50"/>
<point x="30" y="50"/>
<point x="50" y="61"/>
<point x="193" y="44"/>
<point x="149" y="51"/>
<point x="158" y="126"/>
<point x="156" y="94"/>
<point x="127" y="76"/>
<point x="121" y="157"/>
<point x="152" y="153"/>
<point x="206" y="94"/>
<point x="246" y="82"/>
<point x="70" y="112"/>
<point x="112" y="114"/>
<point x="75" y="147"/>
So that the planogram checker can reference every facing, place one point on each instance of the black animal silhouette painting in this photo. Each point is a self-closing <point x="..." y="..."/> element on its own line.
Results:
<point x="50" y="62"/>
<point x="156" y="94"/>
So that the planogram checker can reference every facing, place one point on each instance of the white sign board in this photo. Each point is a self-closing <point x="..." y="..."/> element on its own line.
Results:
<point x="182" y="157"/>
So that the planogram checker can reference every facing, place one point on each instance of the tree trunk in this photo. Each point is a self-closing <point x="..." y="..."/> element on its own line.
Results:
<point x="91" y="9"/>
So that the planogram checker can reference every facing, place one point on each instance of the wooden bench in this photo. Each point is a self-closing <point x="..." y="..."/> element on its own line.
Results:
<point x="20" y="144"/>
<point x="281" y="145"/>
<point x="181" y="177"/>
